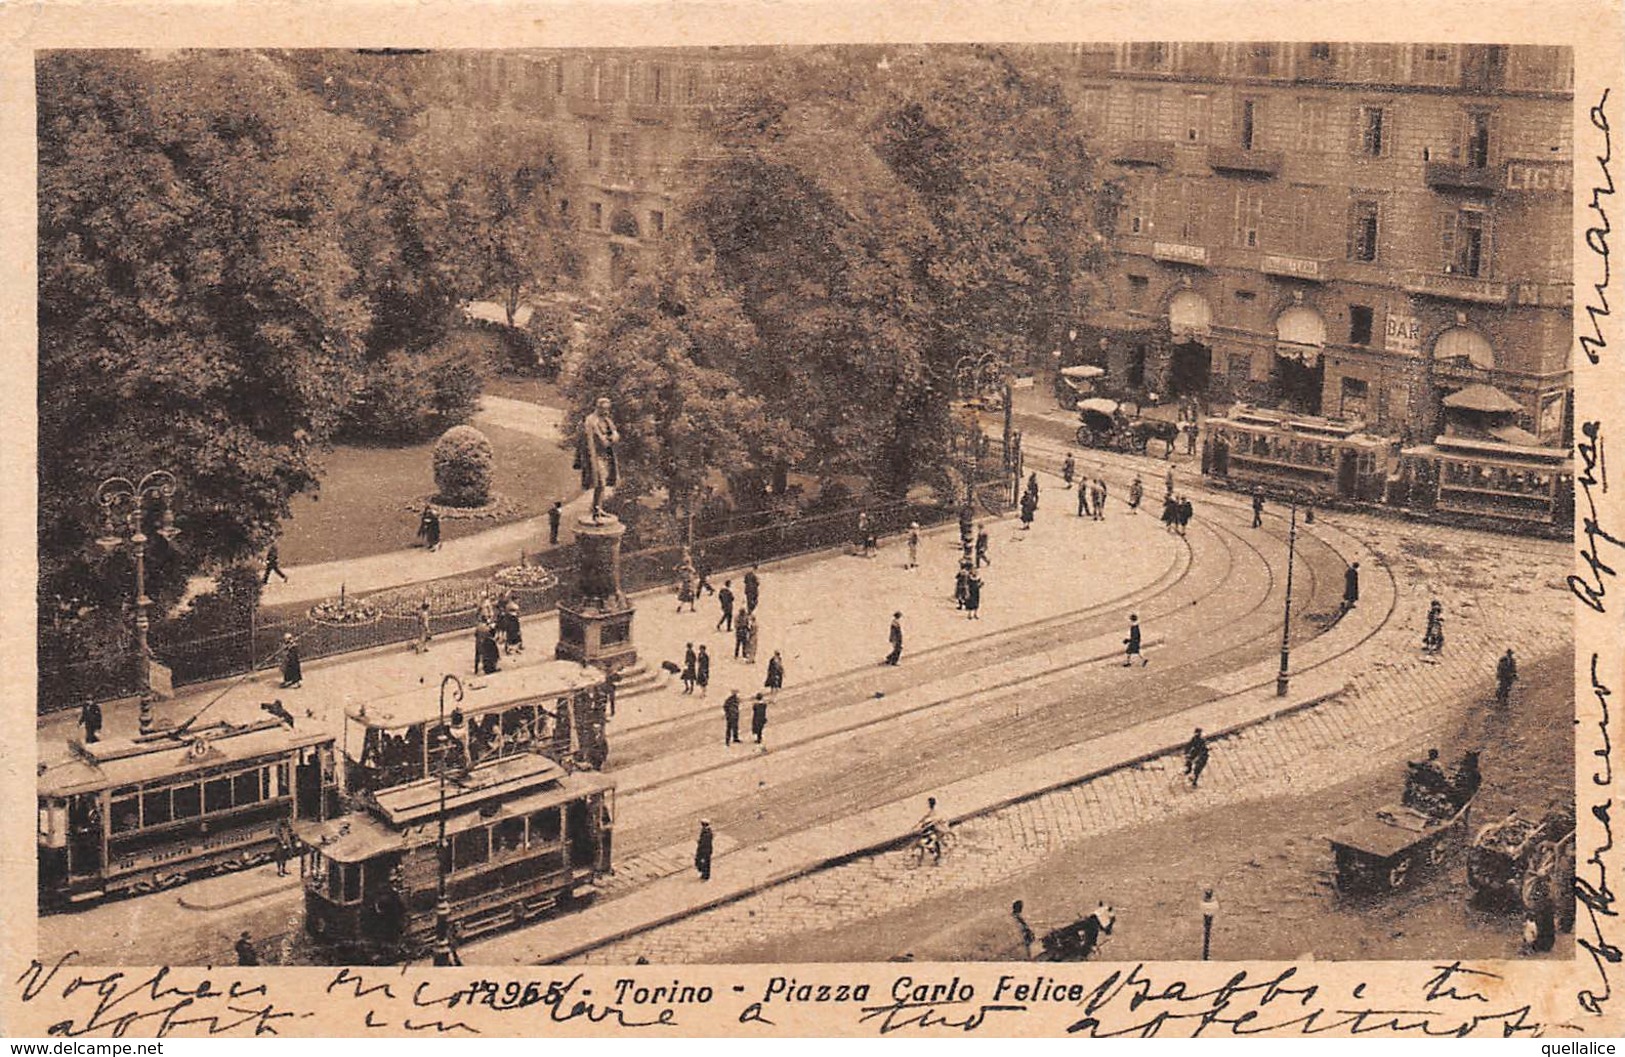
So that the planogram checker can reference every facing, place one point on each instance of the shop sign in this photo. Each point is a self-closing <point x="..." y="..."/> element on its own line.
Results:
<point x="1403" y="334"/>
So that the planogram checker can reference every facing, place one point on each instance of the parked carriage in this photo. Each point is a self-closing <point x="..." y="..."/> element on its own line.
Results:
<point x="1400" y="844"/>
<point x="133" y="815"/>
<point x="1078" y="383"/>
<point x="1504" y="856"/>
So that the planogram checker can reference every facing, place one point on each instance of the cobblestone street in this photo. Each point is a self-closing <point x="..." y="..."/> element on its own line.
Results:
<point x="1392" y="710"/>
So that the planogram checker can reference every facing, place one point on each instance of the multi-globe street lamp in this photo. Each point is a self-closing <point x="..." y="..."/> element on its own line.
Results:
<point x="119" y="497"/>
<point x="442" y="905"/>
<point x="1282" y="679"/>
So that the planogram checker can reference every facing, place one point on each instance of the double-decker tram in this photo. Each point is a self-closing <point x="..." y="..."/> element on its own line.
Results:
<point x="133" y="815"/>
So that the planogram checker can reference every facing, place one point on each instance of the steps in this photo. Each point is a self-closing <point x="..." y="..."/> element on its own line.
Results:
<point x="638" y="679"/>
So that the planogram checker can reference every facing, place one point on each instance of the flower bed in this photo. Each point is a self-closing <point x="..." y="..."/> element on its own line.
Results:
<point x="344" y="613"/>
<point x="533" y="576"/>
<point x="500" y="507"/>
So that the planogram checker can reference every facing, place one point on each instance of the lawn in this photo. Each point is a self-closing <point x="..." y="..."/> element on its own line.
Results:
<point x="362" y="506"/>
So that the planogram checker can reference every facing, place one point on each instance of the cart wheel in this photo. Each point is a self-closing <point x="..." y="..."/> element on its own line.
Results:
<point x="1397" y="875"/>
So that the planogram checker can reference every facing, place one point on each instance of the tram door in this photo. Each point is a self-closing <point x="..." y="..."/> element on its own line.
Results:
<point x="307" y="784"/>
<point x="1348" y="473"/>
<point x="578" y="819"/>
<point x="84" y="836"/>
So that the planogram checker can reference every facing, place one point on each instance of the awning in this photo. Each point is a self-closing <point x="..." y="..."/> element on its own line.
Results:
<point x="1083" y="372"/>
<point x="1479" y="397"/>
<point x="1122" y="321"/>
<point x="1100" y="404"/>
<point x="1308" y="355"/>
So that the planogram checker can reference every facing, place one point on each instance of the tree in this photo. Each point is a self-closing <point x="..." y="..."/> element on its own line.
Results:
<point x="197" y="309"/>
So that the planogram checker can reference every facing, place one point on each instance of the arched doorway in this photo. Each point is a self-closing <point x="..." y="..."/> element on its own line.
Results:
<point x="1191" y="358"/>
<point x="1300" y="370"/>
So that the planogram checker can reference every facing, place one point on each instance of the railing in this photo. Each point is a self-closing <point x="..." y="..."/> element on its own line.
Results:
<point x="1252" y="162"/>
<point x="1145" y="152"/>
<point x="1449" y="176"/>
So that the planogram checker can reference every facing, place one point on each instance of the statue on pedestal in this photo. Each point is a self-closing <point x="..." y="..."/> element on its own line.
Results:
<point x="595" y="454"/>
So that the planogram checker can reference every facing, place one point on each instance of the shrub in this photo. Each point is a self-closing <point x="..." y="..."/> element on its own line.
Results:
<point x="407" y="397"/>
<point x="462" y="467"/>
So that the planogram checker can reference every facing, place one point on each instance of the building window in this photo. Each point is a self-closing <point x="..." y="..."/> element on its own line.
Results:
<point x="1092" y="108"/>
<point x="1247" y="123"/>
<point x="1302" y="235"/>
<point x="1352" y="398"/>
<point x="1137" y="287"/>
<point x="657" y="222"/>
<point x="1137" y="205"/>
<point x="691" y="85"/>
<point x="1360" y="317"/>
<point x="597" y="211"/>
<point x="1198" y="108"/>
<point x="657" y="84"/>
<point x="1148" y="55"/>
<point x="1363" y="231"/>
<point x="1192" y="214"/>
<point x="1145" y="121"/>
<point x="1313" y="120"/>
<point x="558" y="78"/>
<point x="1371" y="125"/>
<point x="1320" y="52"/>
<point x="564" y="208"/>
<point x="620" y="153"/>
<point x="1476" y="148"/>
<point x="1260" y="60"/>
<point x="595" y="82"/>
<point x="592" y="148"/>
<point x="1433" y="64"/>
<point x="1464" y="243"/>
<point x="1249" y="216"/>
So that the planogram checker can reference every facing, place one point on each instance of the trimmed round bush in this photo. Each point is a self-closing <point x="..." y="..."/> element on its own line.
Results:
<point x="462" y="467"/>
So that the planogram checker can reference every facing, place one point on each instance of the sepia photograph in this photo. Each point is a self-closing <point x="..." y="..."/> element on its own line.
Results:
<point x="795" y="505"/>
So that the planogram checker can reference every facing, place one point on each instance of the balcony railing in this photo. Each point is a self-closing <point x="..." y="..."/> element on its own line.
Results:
<point x="1448" y="176"/>
<point x="1179" y="253"/>
<point x="1314" y="269"/>
<point x="1456" y="288"/>
<point x="1240" y="160"/>
<point x="1145" y="152"/>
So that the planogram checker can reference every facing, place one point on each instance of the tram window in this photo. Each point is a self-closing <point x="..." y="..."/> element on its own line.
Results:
<point x="344" y="882"/>
<point x="544" y="826"/>
<point x="508" y="835"/>
<point x="470" y="848"/>
<point x="245" y="788"/>
<point x="126" y="810"/>
<point x="155" y="807"/>
<point x="217" y="795"/>
<point x="188" y="804"/>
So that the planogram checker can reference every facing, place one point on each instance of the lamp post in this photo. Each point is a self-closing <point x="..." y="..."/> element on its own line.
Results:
<point x="117" y="495"/>
<point x="1282" y="679"/>
<point x="442" y="906"/>
<point x="1210" y="910"/>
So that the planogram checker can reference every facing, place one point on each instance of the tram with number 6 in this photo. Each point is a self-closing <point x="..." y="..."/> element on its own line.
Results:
<point x="133" y="815"/>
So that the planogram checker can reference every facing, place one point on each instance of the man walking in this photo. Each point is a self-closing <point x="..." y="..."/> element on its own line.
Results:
<point x="1100" y="499"/>
<point x="702" y="850"/>
<point x="1132" y="643"/>
<point x="913" y="545"/>
<point x="702" y="670"/>
<point x="981" y="547"/>
<point x="90" y="717"/>
<point x="555" y="514"/>
<point x="1506" y="673"/>
<point x="973" y="596"/>
<point x="730" y="718"/>
<point x="758" y="718"/>
<point x="1136" y="492"/>
<point x="1258" y="509"/>
<point x="725" y="599"/>
<point x="775" y="674"/>
<point x="896" y="637"/>
<point x="690" y="660"/>
<point x="741" y="632"/>
<point x="753" y="590"/>
<point x="273" y="564"/>
<point x="1196" y="756"/>
<point x="1351" y="586"/>
<point x="1068" y="469"/>
<point x="1084" y="487"/>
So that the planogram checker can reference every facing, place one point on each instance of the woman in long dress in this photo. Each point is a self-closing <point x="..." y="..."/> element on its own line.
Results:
<point x="292" y="673"/>
<point x="751" y="637"/>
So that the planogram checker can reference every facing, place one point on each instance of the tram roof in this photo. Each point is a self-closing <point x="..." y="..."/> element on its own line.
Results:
<point x="512" y="686"/>
<point x="129" y="761"/>
<point x="1508" y="456"/>
<point x="507" y="777"/>
<point x="358" y="837"/>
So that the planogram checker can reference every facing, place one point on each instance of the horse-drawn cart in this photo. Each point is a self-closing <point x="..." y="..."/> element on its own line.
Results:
<point x="1402" y="843"/>
<point x="1505" y="854"/>
<point x="1105" y="423"/>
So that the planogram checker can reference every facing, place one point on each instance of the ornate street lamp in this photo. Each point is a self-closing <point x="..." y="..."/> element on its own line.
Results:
<point x="118" y="497"/>
<point x="442" y="906"/>
<point x="1282" y="679"/>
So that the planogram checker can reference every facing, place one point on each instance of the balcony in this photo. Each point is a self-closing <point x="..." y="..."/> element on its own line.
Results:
<point x="1448" y="176"/>
<point x="1456" y="288"/>
<point x="1179" y="253"/>
<point x="1314" y="269"/>
<point x="1245" y="162"/>
<point x="1145" y="152"/>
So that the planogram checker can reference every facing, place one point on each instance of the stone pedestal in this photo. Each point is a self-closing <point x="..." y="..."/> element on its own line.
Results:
<point x="595" y="619"/>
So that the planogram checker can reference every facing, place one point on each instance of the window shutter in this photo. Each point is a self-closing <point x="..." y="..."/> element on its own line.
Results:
<point x="1351" y="249"/>
<point x="1447" y="242"/>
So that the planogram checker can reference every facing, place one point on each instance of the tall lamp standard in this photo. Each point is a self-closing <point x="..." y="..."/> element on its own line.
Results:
<point x="442" y="906"/>
<point x="1282" y="679"/>
<point x="117" y="495"/>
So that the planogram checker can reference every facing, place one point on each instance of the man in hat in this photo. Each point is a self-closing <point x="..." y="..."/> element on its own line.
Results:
<point x="90" y="717"/>
<point x="981" y="547"/>
<point x="725" y="599"/>
<point x="896" y="637"/>
<point x="1196" y="757"/>
<point x="758" y="717"/>
<point x="702" y="850"/>
<point x="1351" y="586"/>
<point x="730" y="718"/>
<point x="555" y="514"/>
<point x="1131" y="645"/>
<point x="753" y="589"/>
<point x="1506" y="673"/>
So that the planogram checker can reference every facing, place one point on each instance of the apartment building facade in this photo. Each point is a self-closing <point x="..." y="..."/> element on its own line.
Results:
<point x="1350" y="230"/>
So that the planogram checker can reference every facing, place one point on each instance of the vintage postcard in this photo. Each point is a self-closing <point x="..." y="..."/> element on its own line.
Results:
<point x="765" y="520"/>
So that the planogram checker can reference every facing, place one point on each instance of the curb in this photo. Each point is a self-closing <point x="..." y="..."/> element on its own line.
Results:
<point x="293" y="882"/>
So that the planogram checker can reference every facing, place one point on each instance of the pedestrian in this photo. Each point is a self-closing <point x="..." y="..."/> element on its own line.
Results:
<point x="1258" y="509"/>
<point x="246" y="954"/>
<point x="751" y="637"/>
<point x="863" y="533"/>
<point x="967" y="523"/>
<point x="685" y="592"/>
<point x="273" y="563"/>
<point x="1132" y="643"/>
<point x="1028" y="937"/>
<point x="775" y="674"/>
<point x="555" y="515"/>
<point x="1032" y="488"/>
<point x="424" y="634"/>
<point x="753" y="587"/>
<point x="1068" y="469"/>
<point x="514" y="632"/>
<point x="702" y="851"/>
<point x="758" y="717"/>
<point x="1083" y="498"/>
<point x="1185" y="512"/>
<point x="913" y="545"/>
<point x="292" y="673"/>
<point x="1168" y="513"/>
<point x="962" y="584"/>
<point x="1168" y="482"/>
<point x="1029" y="506"/>
<point x="90" y="717"/>
<point x="1190" y="432"/>
<point x="1506" y="673"/>
<point x="690" y="663"/>
<point x="741" y="632"/>
<point x="973" y="596"/>
<point x="487" y="609"/>
<point x="895" y="635"/>
<point x="1100" y="499"/>
<point x="702" y="670"/>
<point x="1433" y="637"/>
<point x="429" y="529"/>
<point x="1136" y="492"/>
<point x="284" y="846"/>
<point x="730" y="718"/>
<point x="702" y="569"/>
<point x="486" y="655"/>
<point x="725" y="599"/>
<point x="1196" y="756"/>
<point x="1351" y="586"/>
<point x="981" y="547"/>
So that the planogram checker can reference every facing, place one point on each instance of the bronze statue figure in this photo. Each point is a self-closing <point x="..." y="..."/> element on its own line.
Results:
<point x="595" y="454"/>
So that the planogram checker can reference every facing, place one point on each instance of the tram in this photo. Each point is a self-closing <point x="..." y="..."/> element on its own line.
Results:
<point x="133" y="815"/>
<point x="523" y="837"/>
<point x="1500" y="484"/>
<point x="556" y="707"/>
<point x="1276" y="450"/>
